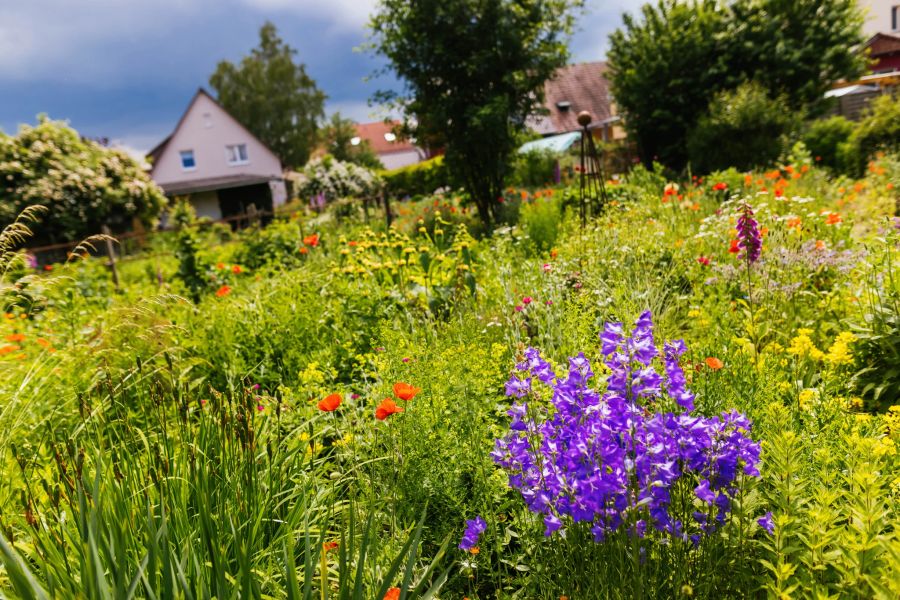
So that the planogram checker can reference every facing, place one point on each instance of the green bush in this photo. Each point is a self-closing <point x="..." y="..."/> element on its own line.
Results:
<point x="540" y="219"/>
<point x="824" y="139"/>
<point x="83" y="185"/>
<point x="743" y="128"/>
<point x="878" y="131"/>
<point x="535" y="168"/>
<point x="419" y="179"/>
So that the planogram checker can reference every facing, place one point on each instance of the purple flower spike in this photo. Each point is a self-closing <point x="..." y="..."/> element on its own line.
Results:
<point x="606" y="458"/>
<point x="474" y="528"/>
<point x="749" y="237"/>
<point x="767" y="523"/>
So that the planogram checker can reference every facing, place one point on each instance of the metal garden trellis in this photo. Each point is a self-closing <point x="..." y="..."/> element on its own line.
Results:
<point x="592" y="184"/>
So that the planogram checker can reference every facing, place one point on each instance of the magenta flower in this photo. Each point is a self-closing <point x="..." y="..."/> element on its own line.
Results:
<point x="749" y="237"/>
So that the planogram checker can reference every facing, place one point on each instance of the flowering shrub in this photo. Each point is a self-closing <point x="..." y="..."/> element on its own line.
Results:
<point x="327" y="180"/>
<point x="611" y="461"/>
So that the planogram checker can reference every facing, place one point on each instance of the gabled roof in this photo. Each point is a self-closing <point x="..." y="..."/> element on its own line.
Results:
<point x="375" y="134"/>
<point x="882" y="43"/>
<point x="156" y="152"/>
<point x="572" y="89"/>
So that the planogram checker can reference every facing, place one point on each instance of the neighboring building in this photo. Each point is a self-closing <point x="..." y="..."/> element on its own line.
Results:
<point x="576" y="88"/>
<point x="217" y="162"/>
<point x="882" y="16"/>
<point x="884" y="50"/>
<point x="393" y="151"/>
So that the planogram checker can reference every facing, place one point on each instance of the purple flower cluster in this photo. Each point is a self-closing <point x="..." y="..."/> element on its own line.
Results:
<point x="474" y="528"/>
<point x="611" y="461"/>
<point x="749" y="237"/>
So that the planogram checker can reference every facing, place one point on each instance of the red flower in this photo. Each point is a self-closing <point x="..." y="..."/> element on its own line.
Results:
<point x="304" y="250"/>
<point x="833" y="219"/>
<point x="330" y="403"/>
<point x="392" y="594"/>
<point x="223" y="291"/>
<point x="527" y="300"/>
<point x="703" y="260"/>
<point x="721" y="186"/>
<point x="311" y="240"/>
<point x="237" y="270"/>
<point x="328" y="546"/>
<point x="404" y="391"/>
<point x="387" y="408"/>
<point x="734" y="249"/>
<point x="714" y="363"/>
<point x="48" y="267"/>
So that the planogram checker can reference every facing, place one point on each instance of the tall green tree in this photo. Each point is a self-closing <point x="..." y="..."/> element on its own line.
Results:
<point x="338" y="135"/>
<point x="472" y="72"/>
<point x="271" y="95"/>
<point x="670" y="60"/>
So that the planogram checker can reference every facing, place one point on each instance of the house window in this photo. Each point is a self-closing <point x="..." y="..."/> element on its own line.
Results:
<point x="237" y="154"/>
<point x="187" y="160"/>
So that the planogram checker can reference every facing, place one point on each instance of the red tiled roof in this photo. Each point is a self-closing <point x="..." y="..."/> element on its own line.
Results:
<point x="375" y="132"/>
<point x="585" y="87"/>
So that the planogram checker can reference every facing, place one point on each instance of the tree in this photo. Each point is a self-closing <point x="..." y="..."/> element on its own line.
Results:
<point x="472" y="72"/>
<point x="273" y="97"/>
<point x="337" y="137"/>
<point x="82" y="184"/>
<point x="743" y="128"/>
<point x="669" y="63"/>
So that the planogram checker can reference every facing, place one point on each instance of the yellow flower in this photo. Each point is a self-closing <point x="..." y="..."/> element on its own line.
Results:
<point x="802" y="346"/>
<point x="839" y="353"/>
<point x="807" y="397"/>
<point x="856" y="402"/>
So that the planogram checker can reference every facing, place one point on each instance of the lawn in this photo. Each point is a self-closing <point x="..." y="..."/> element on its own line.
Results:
<point x="695" y="395"/>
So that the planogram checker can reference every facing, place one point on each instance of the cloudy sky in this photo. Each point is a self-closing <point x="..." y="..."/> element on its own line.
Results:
<point x="125" y="69"/>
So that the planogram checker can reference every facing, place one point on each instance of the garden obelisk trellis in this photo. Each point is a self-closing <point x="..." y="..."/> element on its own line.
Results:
<point x="592" y="186"/>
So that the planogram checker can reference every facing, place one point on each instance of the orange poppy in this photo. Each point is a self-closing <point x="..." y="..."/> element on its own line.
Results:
<point x="328" y="546"/>
<point x="223" y="291"/>
<point x="311" y="240"/>
<point x="304" y="250"/>
<point x="820" y="245"/>
<point x="43" y="343"/>
<point x="734" y="249"/>
<point x="330" y="403"/>
<point x="237" y="270"/>
<point x="404" y="391"/>
<point x="392" y="594"/>
<point x="833" y="219"/>
<point x="386" y="409"/>
<point x="714" y="363"/>
<point x="220" y="266"/>
<point x="15" y="337"/>
<point x="8" y="349"/>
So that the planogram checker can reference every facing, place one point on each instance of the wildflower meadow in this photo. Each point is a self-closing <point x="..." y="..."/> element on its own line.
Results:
<point x="694" y="395"/>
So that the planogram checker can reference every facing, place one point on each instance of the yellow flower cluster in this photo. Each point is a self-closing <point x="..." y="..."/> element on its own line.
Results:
<point x="892" y="421"/>
<point x="802" y="346"/>
<point x="839" y="353"/>
<point x="808" y="398"/>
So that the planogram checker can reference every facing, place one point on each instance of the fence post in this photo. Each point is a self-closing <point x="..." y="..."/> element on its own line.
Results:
<point x="110" y="251"/>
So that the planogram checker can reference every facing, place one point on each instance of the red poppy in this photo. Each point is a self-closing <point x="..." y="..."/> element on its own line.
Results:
<point x="721" y="186"/>
<point x="392" y="594"/>
<point x="220" y="266"/>
<point x="714" y="363"/>
<point x="311" y="240"/>
<point x="404" y="391"/>
<point x="330" y="403"/>
<point x="387" y="408"/>
<point x="237" y="270"/>
<point x="703" y="260"/>
<point x="328" y="546"/>
<point x="833" y="219"/>
<point x="304" y="250"/>
<point x="734" y="249"/>
<point x="48" y="267"/>
<point x="223" y="291"/>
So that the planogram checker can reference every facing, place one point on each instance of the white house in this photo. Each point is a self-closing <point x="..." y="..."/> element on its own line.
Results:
<point x="217" y="163"/>
<point x="882" y="16"/>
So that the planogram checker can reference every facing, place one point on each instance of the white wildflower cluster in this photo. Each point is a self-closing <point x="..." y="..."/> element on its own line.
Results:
<point x="334" y="179"/>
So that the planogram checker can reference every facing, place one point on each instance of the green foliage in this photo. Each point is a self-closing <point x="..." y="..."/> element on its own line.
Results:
<point x="337" y="136"/>
<point x="824" y="139"/>
<point x="82" y="184"/>
<point x="273" y="97"/>
<point x="879" y="130"/>
<point x="419" y="179"/>
<point x="667" y="62"/>
<point x="541" y="222"/>
<point x="744" y="128"/>
<point x="535" y="168"/>
<point x="191" y="269"/>
<point x="473" y="73"/>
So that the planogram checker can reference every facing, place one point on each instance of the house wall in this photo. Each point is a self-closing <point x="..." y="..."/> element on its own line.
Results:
<point x="395" y="160"/>
<point x="879" y="15"/>
<point x="207" y="129"/>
